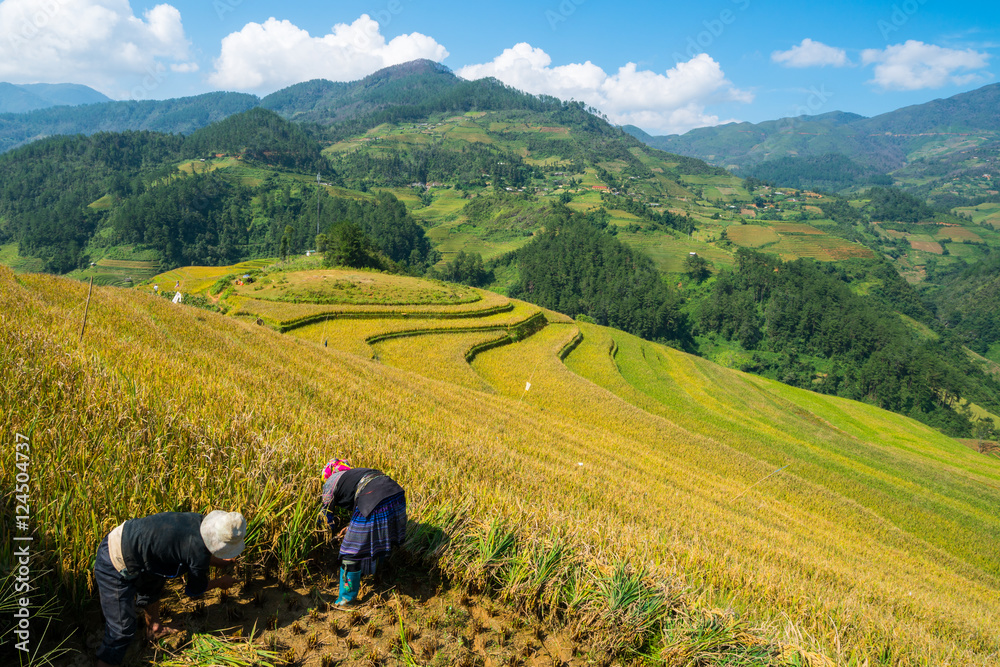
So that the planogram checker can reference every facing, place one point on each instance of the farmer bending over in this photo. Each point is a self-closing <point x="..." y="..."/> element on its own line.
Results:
<point x="136" y="558"/>
<point x="378" y="520"/>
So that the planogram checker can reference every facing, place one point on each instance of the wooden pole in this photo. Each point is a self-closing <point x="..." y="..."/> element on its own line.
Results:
<point x="87" y="309"/>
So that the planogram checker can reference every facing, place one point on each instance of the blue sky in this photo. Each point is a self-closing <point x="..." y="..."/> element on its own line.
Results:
<point x="664" y="66"/>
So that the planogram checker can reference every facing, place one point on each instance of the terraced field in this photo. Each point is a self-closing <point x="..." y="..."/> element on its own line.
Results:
<point x="792" y="241"/>
<point x="197" y="279"/>
<point x="798" y="528"/>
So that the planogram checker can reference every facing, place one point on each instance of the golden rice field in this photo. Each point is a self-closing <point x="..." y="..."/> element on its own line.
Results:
<point x="288" y="315"/>
<point x="197" y="279"/>
<point x="751" y="236"/>
<point x="353" y="334"/>
<point x="819" y="531"/>
<point x="336" y="286"/>
<point x="792" y="241"/>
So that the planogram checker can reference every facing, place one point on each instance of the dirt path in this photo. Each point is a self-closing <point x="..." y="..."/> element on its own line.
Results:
<point x="441" y="625"/>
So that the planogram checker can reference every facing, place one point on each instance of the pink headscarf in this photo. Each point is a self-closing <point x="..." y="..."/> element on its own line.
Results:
<point x="335" y="465"/>
<point x="331" y="474"/>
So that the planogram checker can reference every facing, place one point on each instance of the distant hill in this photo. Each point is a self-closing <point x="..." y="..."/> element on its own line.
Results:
<point x="20" y="98"/>
<point x="883" y="141"/>
<point x="183" y="115"/>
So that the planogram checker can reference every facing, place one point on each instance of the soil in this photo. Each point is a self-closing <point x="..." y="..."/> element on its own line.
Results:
<point x="442" y="625"/>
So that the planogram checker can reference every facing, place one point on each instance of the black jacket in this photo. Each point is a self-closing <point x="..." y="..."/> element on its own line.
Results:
<point x="374" y="492"/>
<point x="167" y="545"/>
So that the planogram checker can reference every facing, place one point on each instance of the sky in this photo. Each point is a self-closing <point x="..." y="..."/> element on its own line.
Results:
<point x="664" y="66"/>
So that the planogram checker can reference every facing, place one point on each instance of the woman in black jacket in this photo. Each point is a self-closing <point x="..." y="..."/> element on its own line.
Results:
<point x="378" y="520"/>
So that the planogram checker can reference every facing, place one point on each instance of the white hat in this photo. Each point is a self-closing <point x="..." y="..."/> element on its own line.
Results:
<point x="224" y="533"/>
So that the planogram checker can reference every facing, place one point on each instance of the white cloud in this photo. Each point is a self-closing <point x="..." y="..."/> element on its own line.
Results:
<point x="100" y="43"/>
<point x="673" y="102"/>
<point x="915" y="65"/>
<point x="811" y="54"/>
<point x="266" y="57"/>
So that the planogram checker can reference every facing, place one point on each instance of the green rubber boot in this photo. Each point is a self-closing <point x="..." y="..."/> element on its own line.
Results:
<point x="350" y="583"/>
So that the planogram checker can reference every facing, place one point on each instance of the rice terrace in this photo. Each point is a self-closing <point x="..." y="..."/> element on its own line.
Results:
<point x="421" y="369"/>
<point x="578" y="495"/>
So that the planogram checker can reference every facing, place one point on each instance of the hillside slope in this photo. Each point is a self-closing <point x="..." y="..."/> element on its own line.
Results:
<point x="869" y="540"/>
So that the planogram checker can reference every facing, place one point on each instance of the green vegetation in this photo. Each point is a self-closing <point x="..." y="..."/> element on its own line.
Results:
<point x="182" y="115"/>
<point x="812" y="331"/>
<point x="832" y="172"/>
<point x="575" y="267"/>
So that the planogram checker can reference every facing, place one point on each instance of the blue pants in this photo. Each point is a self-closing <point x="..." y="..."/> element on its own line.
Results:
<point x="119" y="600"/>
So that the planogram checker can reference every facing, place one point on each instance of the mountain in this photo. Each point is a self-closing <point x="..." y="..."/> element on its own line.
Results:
<point x="916" y="144"/>
<point x="181" y="115"/>
<point x="327" y="102"/>
<point x="19" y="98"/>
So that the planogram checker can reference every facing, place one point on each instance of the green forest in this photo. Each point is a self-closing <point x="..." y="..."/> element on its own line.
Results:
<point x="576" y="267"/>
<point x="806" y="327"/>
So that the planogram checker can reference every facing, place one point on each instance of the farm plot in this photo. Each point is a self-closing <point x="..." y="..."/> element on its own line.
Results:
<point x="353" y="334"/>
<point x="955" y="233"/>
<point x="439" y="356"/>
<point x="751" y="236"/>
<point x="340" y="286"/>
<point x="286" y="316"/>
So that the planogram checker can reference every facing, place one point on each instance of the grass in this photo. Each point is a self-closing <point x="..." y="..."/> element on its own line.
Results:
<point x="208" y="650"/>
<point x="197" y="279"/>
<point x="9" y="256"/>
<point x="625" y="491"/>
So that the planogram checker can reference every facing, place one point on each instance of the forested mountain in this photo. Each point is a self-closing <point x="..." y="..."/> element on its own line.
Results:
<point x="46" y="189"/>
<point x="882" y="142"/>
<point x="831" y="172"/>
<point x="924" y="146"/>
<point x="206" y="219"/>
<point x="322" y="101"/>
<point x="258" y="136"/>
<point x="18" y="98"/>
<point x="182" y="115"/>
<point x="966" y="298"/>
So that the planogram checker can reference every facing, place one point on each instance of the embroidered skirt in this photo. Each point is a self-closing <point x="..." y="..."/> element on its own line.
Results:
<point x="376" y="536"/>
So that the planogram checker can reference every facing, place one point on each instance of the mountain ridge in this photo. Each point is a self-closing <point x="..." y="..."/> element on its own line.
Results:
<point x="884" y="141"/>
<point x="24" y="97"/>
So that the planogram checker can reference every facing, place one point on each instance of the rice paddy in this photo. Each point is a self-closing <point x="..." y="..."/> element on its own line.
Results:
<point x="582" y="476"/>
<point x="338" y="286"/>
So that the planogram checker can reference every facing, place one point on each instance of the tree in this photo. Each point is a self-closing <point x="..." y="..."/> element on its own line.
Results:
<point x="697" y="267"/>
<point x="286" y="240"/>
